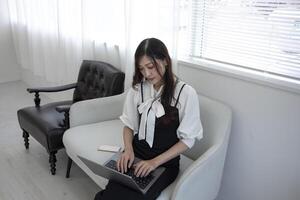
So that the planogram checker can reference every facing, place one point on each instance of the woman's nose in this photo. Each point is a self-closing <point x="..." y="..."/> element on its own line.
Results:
<point x="147" y="73"/>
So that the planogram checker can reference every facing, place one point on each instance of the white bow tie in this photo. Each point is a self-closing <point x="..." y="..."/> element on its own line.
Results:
<point x="150" y="109"/>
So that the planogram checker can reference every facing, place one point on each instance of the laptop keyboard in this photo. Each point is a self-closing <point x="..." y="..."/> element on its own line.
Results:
<point x="142" y="182"/>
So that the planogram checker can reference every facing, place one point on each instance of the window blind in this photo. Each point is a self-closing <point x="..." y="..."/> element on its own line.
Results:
<point x="262" y="35"/>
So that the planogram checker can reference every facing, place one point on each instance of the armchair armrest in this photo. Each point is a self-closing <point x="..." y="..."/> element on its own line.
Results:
<point x="37" y="99"/>
<point x="52" y="89"/>
<point x="65" y="109"/>
<point x="96" y="110"/>
<point x="202" y="179"/>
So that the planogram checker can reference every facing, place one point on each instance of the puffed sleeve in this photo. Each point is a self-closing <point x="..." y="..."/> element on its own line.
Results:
<point x="129" y="116"/>
<point x="190" y="127"/>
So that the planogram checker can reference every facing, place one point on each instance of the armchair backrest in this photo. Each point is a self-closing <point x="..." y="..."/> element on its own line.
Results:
<point x="216" y="121"/>
<point x="98" y="79"/>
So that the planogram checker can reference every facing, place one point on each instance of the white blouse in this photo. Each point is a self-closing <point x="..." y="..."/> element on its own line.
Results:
<point x="190" y="127"/>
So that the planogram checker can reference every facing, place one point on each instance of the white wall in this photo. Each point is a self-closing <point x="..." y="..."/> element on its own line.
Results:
<point x="9" y="69"/>
<point x="263" y="161"/>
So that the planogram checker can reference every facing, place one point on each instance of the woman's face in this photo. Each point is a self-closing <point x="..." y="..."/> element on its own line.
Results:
<point x="149" y="71"/>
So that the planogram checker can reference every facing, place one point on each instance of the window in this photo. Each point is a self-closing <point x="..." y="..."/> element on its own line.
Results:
<point x="261" y="35"/>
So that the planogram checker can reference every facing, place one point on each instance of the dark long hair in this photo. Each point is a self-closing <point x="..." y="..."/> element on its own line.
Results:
<point x="155" y="49"/>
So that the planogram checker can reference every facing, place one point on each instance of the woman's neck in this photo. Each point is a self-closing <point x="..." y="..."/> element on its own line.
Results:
<point x="157" y="86"/>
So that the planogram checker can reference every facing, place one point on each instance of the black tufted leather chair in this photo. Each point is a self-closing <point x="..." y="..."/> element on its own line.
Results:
<point x="48" y="122"/>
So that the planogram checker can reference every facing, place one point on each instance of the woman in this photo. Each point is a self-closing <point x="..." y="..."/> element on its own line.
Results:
<point x="161" y="120"/>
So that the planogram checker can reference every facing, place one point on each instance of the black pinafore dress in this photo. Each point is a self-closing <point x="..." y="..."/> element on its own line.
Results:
<point x="165" y="136"/>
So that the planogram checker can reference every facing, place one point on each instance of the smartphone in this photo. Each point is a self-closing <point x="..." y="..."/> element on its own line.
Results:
<point x="109" y="148"/>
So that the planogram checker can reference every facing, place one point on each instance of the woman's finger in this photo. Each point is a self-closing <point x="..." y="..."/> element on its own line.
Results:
<point x="122" y="164"/>
<point x="130" y="162"/>
<point x="125" y="166"/>
<point x="145" y="170"/>
<point x="118" y="164"/>
<point x="136" y="168"/>
<point x="141" y="169"/>
<point x="148" y="171"/>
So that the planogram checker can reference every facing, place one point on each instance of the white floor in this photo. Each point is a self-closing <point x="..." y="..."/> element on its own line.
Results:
<point x="25" y="174"/>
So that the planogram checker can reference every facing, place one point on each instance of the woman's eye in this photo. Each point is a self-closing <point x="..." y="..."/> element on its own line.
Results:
<point x="150" y="67"/>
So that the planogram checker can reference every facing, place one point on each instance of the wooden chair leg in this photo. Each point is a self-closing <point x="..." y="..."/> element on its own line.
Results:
<point x="26" y="139"/>
<point x="69" y="167"/>
<point x="52" y="161"/>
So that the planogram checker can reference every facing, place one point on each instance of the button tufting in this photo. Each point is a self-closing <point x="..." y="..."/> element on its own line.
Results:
<point x="92" y="80"/>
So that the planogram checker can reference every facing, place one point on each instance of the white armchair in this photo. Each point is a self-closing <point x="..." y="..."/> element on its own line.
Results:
<point x="95" y="122"/>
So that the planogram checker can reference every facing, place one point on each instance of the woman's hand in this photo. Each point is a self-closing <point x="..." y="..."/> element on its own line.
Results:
<point x="125" y="161"/>
<point x="144" y="167"/>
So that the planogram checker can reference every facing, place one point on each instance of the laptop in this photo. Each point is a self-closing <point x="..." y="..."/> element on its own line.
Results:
<point x="109" y="170"/>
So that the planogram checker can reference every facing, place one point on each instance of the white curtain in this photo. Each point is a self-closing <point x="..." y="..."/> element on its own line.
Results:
<point x="52" y="37"/>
